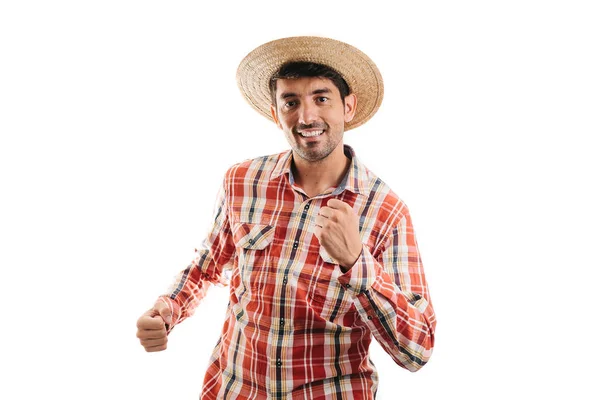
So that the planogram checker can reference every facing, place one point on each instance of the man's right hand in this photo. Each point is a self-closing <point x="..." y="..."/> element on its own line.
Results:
<point x="151" y="328"/>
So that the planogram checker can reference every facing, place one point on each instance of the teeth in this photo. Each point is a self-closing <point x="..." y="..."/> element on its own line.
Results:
<point x="311" y="134"/>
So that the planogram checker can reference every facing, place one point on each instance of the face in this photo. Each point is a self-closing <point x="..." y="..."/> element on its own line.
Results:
<point x="311" y="113"/>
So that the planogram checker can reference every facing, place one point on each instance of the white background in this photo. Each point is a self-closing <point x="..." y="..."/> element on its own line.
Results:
<point x="119" y="118"/>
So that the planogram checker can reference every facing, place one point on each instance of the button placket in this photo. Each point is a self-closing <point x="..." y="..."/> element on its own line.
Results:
<point x="305" y="211"/>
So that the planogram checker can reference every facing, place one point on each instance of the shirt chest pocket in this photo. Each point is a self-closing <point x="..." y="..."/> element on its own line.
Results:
<point x="253" y="246"/>
<point x="324" y="294"/>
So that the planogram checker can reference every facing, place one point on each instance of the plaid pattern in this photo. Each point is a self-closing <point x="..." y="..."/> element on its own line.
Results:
<point x="297" y="327"/>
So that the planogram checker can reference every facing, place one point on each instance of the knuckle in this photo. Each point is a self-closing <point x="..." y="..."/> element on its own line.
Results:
<point x="144" y="322"/>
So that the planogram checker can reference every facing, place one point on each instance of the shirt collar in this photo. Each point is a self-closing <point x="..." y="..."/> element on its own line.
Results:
<point x="355" y="180"/>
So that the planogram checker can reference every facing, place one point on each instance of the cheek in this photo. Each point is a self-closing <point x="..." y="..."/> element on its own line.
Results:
<point x="287" y="121"/>
<point x="334" y="115"/>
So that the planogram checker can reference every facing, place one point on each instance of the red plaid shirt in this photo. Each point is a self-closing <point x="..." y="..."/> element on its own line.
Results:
<point x="297" y="327"/>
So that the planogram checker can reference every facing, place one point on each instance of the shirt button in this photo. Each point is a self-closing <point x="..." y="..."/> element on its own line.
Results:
<point x="306" y="207"/>
<point x="281" y="321"/>
<point x="251" y="241"/>
<point x="278" y="363"/>
<point x="369" y="317"/>
<point x="347" y="286"/>
<point x="285" y="281"/>
<point x="295" y="245"/>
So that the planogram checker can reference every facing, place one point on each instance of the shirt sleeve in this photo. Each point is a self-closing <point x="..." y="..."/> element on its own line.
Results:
<point x="209" y="266"/>
<point x="391" y="295"/>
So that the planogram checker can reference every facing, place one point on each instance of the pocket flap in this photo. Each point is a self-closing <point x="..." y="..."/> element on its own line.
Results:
<point x="252" y="236"/>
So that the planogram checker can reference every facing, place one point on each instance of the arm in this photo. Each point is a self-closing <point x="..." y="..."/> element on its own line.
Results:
<point x="392" y="297"/>
<point x="212" y="259"/>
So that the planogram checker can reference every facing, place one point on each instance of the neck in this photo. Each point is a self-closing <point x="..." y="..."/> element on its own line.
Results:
<point x="314" y="177"/>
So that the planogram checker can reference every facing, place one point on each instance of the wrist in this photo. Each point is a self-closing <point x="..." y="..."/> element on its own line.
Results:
<point x="351" y="261"/>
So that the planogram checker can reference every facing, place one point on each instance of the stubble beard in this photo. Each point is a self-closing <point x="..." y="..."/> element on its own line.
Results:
<point x="316" y="156"/>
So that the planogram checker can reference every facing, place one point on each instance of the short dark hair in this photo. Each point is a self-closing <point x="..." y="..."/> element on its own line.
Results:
<point x="303" y="69"/>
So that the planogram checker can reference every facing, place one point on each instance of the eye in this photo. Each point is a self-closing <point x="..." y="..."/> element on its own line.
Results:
<point x="322" y="99"/>
<point x="289" y="104"/>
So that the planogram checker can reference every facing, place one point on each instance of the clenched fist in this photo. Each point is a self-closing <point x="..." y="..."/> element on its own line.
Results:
<point x="337" y="231"/>
<point x="151" y="329"/>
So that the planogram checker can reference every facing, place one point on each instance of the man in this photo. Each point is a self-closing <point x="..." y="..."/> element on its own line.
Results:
<point x="322" y="254"/>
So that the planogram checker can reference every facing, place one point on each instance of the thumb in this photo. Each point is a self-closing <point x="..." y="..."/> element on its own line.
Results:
<point x="164" y="311"/>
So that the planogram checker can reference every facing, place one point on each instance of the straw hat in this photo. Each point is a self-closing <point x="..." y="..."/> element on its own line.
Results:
<point x="359" y="71"/>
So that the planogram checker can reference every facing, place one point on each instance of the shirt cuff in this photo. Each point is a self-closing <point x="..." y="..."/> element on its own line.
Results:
<point x="361" y="276"/>
<point x="175" y="311"/>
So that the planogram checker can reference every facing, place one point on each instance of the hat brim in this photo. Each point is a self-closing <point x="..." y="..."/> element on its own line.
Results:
<point x="359" y="71"/>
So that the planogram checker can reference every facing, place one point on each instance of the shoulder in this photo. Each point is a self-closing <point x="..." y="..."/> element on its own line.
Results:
<point x="383" y="196"/>
<point x="259" y="167"/>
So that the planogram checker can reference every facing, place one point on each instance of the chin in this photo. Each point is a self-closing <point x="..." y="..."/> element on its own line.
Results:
<point x="314" y="156"/>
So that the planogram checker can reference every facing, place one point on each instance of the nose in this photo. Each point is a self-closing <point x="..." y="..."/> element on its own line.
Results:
<point x="307" y="113"/>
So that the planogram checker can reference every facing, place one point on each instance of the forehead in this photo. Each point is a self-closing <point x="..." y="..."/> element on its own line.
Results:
<point x="305" y="85"/>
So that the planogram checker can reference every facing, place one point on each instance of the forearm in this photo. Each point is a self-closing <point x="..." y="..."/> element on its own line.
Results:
<point x="212" y="259"/>
<point x="188" y="289"/>
<point x="403" y="322"/>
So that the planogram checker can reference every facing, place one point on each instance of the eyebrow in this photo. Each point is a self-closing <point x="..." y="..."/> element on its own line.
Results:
<point x="287" y="95"/>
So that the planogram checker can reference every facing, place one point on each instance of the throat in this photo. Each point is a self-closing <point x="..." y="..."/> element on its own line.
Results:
<point x="317" y="178"/>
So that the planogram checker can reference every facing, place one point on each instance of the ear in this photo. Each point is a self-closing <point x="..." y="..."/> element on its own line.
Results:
<point x="350" y="107"/>
<point x="274" y="115"/>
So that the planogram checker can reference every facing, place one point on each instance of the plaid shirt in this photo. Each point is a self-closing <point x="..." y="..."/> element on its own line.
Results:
<point x="296" y="326"/>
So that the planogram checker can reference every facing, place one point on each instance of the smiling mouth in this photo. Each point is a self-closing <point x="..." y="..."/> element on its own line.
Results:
<point x="309" y="134"/>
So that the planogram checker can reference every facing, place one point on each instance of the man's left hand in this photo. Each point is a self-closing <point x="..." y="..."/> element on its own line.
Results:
<point x="337" y="231"/>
